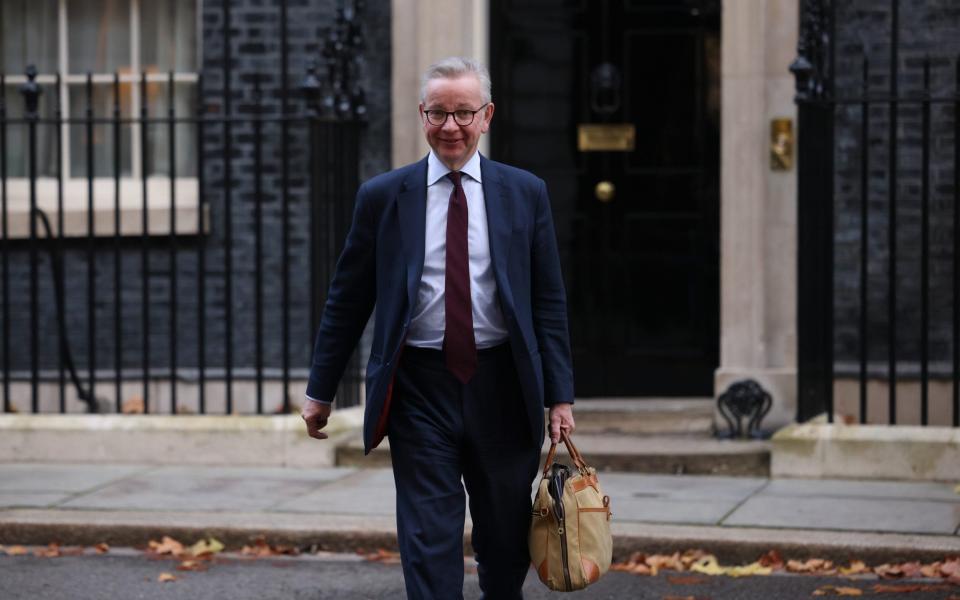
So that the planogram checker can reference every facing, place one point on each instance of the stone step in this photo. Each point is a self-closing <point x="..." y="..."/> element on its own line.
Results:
<point x="649" y="416"/>
<point x="628" y="453"/>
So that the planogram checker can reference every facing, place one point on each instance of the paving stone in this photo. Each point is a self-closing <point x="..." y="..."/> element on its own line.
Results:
<point x="28" y="477"/>
<point x="199" y="488"/>
<point x="852" y="514"/>
<point x="365" y="492"/>
<point x="31" y="499"/>
<point x="861" y="489"/>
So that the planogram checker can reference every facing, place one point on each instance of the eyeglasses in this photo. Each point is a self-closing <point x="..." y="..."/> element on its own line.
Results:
<point x="461" y="117"/>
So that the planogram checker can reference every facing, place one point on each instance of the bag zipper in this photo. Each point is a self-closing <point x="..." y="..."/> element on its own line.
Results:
<point x="563" y="554"/>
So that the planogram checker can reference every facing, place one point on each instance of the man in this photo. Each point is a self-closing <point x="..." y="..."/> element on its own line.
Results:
<point x="459" y="255"/>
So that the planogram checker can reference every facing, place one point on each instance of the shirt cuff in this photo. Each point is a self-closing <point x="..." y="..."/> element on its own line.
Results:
<point x="327" y="402"/>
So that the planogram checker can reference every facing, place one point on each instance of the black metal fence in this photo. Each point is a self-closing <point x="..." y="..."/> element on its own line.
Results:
<point x="133" y="277"/>
<point x="879" y="222"/>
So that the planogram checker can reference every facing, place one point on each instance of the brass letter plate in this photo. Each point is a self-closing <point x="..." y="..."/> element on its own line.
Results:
<point x="603" y="137"/>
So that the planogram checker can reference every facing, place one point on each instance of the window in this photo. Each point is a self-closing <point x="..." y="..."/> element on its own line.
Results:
<point x="105" y="38"/>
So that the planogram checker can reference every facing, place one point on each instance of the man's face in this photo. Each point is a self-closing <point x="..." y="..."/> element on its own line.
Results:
<point x="452" y="143"/>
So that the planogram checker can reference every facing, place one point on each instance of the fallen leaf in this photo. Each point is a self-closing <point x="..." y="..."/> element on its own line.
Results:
<point x="260" y="548"/>
<point x="856" y="567"/>
<point x="750" y="570"/>
<point x="51" y="551"/>
<point x="16" y="551"/>
<point x="167" y="545"/>
<point x="132" y="406"/>
<point x="833" y="590"/>
<point x="385" y="556"/>
<point x="656" y="562"/>
<point x="191" y="565"/>
<point x="165" y="577"/>
<point x="888" y="571"/>
<point x="956" y="489"/>
<point x="909" y="588"/>
<point x="950" y="567"/>
<point x="708" y="566"/>
<point x="896" y="589"/>
<point x="101" y="548"/>
<point x="210" y="546"/>
<point x="771" y="559"/>
<point x="813" y="565"/>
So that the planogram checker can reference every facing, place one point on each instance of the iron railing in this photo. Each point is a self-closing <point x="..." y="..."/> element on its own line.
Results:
<point x="860" y="251"/>
<point x="225" y="254"/>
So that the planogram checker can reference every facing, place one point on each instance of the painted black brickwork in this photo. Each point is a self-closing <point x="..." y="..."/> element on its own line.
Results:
<point x="927" y="28"/>
<point x="255" y="50"/>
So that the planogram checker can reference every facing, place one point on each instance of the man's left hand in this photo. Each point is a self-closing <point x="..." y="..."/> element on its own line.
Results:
<point x="561" y="417"/>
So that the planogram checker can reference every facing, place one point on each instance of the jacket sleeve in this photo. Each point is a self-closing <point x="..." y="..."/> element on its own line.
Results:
<point x="550" y="306"/>
<point x="350" y="301"/>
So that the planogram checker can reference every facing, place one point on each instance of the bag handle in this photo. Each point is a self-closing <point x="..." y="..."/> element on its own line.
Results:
<point x="575" y="455"/>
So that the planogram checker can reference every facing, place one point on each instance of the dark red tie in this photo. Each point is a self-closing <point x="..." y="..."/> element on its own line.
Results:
<point x="459" y="345"/>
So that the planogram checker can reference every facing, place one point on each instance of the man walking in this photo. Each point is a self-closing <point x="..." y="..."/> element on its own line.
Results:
<point x="459" y="255"/>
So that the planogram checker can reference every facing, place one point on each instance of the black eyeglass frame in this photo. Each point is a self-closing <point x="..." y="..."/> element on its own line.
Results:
<point x="453" y="113"/>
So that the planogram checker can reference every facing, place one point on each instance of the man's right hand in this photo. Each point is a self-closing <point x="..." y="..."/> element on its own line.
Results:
<point x="315" y="414"/>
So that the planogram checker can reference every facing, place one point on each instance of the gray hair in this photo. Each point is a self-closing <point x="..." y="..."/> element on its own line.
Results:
<point x="453" y="67"/>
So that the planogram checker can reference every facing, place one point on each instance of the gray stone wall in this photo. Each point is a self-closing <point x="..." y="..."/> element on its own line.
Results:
<point x="927" y="28"/>
<point x="255" y="52"/>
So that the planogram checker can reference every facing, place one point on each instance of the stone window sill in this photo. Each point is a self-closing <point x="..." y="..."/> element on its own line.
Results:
<point x="185" y="210"/>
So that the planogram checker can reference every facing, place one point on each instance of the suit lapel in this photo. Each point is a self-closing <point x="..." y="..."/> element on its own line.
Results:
<point x="412" y="213"/>
<point x="499" y="224"/>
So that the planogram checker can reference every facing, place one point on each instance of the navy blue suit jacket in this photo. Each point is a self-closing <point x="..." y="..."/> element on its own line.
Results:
<point x="382" y="262"/>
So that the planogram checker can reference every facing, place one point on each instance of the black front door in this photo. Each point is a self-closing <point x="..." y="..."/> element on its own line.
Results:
<point x="637" y="223"/>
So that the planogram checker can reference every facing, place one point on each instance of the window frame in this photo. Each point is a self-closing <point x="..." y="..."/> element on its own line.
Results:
<point x="75" y="201"/>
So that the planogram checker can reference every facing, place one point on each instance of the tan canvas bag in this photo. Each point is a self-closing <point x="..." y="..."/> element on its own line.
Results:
<point x="570" y="542"/>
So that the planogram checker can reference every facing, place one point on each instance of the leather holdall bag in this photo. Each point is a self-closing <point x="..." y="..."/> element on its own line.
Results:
<point x="570" y="542"/>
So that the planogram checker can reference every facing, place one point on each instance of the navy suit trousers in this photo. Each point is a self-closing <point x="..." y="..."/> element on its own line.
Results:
<point x="444" y="434"/>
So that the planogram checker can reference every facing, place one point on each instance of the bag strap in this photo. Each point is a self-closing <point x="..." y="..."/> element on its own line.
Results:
<point x="575" y="455"/>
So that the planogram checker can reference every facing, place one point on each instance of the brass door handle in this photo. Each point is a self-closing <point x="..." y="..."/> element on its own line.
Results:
<point x="605" y="191"/>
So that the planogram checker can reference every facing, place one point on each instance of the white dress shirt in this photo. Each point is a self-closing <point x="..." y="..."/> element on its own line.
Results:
<point x="429" y="315"/>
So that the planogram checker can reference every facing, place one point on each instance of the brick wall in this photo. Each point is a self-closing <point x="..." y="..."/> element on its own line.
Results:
<point x="927" y="28"/>
<point x="255" y="49"/>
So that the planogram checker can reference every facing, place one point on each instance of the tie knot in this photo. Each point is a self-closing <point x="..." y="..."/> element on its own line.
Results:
<point x="454" y="177"/>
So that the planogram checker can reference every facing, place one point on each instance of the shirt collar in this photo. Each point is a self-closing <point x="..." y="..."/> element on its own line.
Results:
<point x="436" y="170"/>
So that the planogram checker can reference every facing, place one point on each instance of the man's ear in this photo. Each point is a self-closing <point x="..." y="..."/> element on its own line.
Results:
<point x="420" y="110"/>
<point x="487" y="117"/>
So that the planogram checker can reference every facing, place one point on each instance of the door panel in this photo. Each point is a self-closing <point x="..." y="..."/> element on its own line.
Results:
<point x="642" y="268"/>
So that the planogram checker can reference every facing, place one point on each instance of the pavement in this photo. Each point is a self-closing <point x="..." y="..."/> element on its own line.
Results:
<point x="345" y="509"/>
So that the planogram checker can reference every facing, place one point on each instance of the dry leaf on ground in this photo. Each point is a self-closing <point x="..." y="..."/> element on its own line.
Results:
<point x="812" y="565"/>
<point x="101" y="548"/>
<point x="15" y="550"/>
<point x="132" y="406"/>
<point x="385" y="556"/>
<point x="51" y="551"/>
<point x="206" y="547"/>
<point x="167" y="545"/>
<point x="260" y="548"/>
<point x="856" y="567"/>
<point x="909" y="588"/>
<point x="165" y="577"/>
<point x="753" y="569"/>
<point x="707" y="565"/>
<point x="834" y="590"/>
<point x="656" y="562"/>
<point x="771" y="559"/>
<point x="191" y="565"/>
